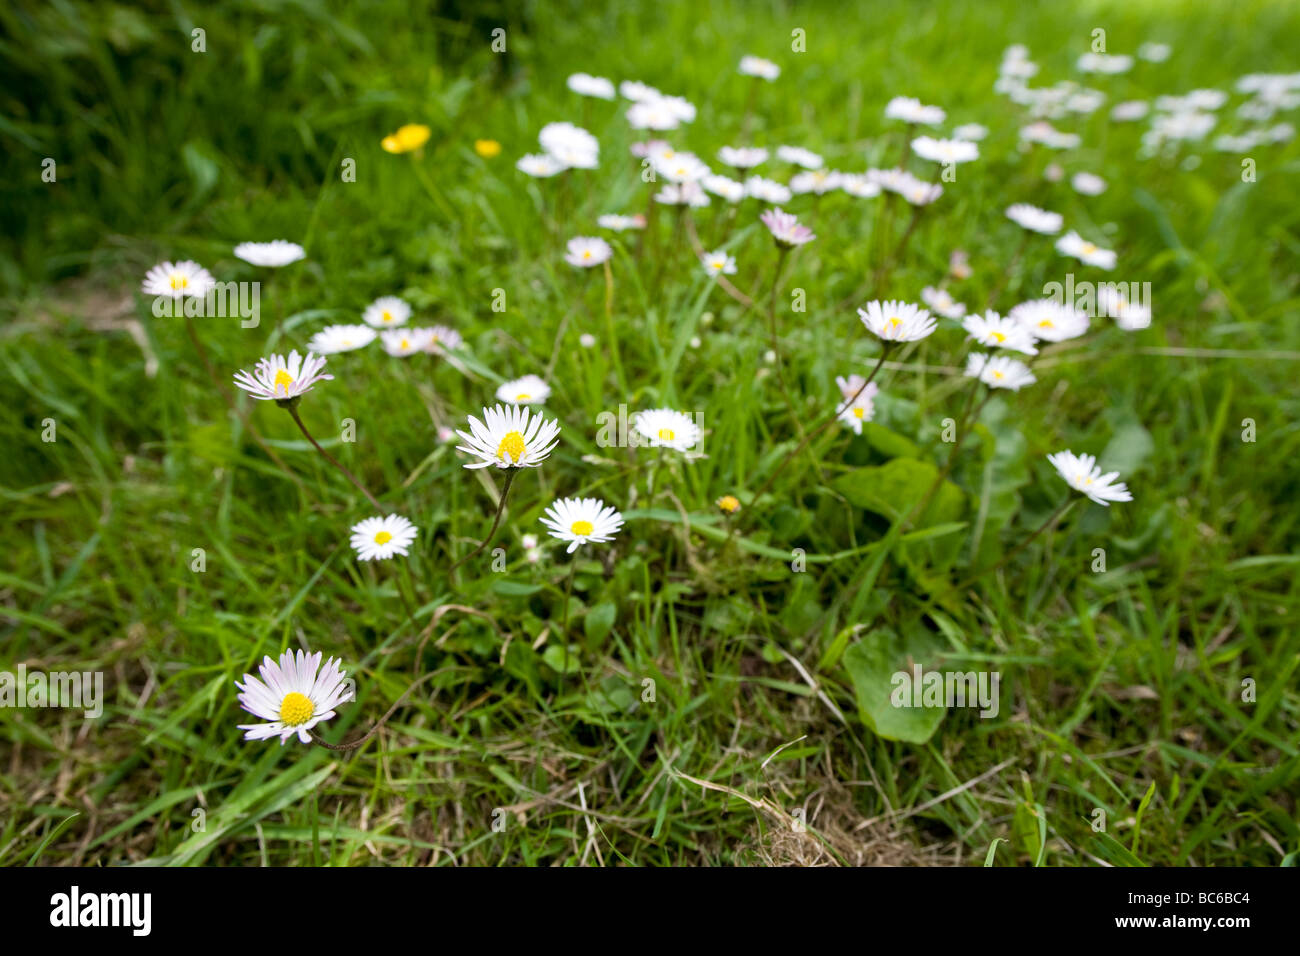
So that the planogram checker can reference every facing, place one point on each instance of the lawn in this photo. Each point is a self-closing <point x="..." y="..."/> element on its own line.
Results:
<point x="706" y="687"/>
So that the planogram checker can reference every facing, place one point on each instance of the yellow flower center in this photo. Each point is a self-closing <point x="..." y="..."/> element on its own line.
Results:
<point x="587" y="254"/>
<point x="511" y="448"/>
<point x="383" y="537"/>
<point x="729" y="503"/>
<point x="999" y="375"/>
<point x="859" y="412"/>
<point x="582" y="527"/>
<point x="295" y="709"/>
<point x="522" y="397"/>
<point x="998" y="337"/>
<point x="667" y="434"/>
<point x="386" y="316"/>
<point x="406" y="344"/>
<point x="180" y="282"/>
<point x="1046" y="324"/>
<point x="1089" y="248"/>
<point x="282" y="377"/>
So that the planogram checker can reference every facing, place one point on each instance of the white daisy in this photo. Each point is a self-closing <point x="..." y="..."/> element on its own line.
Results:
<point x="1088" y="184"/>
<point x="442" y="340"/>
<point x="819" y="181"/>
<point x="341" y="338"/>
<point x="638" y="92"/>
<point x="587" y="85"/>
<point x="1129" y="316"/>
<point x="571" y="145"/>
<point x="1082" y="474"/>
<point x="621" y="223"/>
<point x="799" y="157"/>
<point x="1129" y="111"/>
<point x="911" y="110"/>
<point x="539" y="165"/>
<point x="294" y="695"/>
<point x="586" y="252"/>
<point x="652" y="114"/>
<point x="666" y="428"/>
<point x="402" y="343"/>
<point x="718" y="263"/>
<point x="757" y="66"/>
<point x="386" y="312"/>
<point x="1049" y="136"/>
<point x="970" y="131"/>
<point x="378" y="539"/>
<point x="860" y="185"/>
<point x="529" y="390"/>
<point x="178" y="279"/>
<point x="894" y="321"/>
<point x="767" y="190"/>
<point x="1154" y="52"/>
<point x="1049" y="320"/>
<point x="1072" y="244"/>
<point x="1035" y="219"/>
<point x="742" y="157"/>
<point x="682" y="194"/>
<point x="679" y="106"/>
<point x="941" y="301"/>
<point x="276" y="378"/>
<point x="728" y="189"/>
<point x="786" y="229"/>
<point x="509" y="436"/>
<point x="993" y="331"/>
<point x="945" y="150"/>
<point x="679" y="166"/>
<point x="579" y="520"/>
<point x="1104" y="63"/>
<point x="999" y="371"/>
<point x="273" y="254"/>
<point x="854" y="411"/>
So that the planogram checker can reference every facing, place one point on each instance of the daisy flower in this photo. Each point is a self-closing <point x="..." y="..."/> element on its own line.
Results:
<point x="407" y="138"/>
<point x="586" y="252"/>
<point x="1154" y="52"/>
<point x="1087" y="184"/>
<point x="1047" y="135"/>
<point x="728" y="189"/>
<point x="682" y="194"/>
<point x="897" y="321"/>
<point x="945" y="150"/>
<point x="728" y="504"/>
<point x="857" y="410"/>
<point x="1072" y="244"/>
<point x="680" y="167"/>
<point x="993" y="331"/>
<point x="1129" y="111"/>
<point x="273" y="254"/>
<point x="378" y="539"/>
<point x="293" y="695"/>
<point x="941" y="301"/>
<point x="178" y="279"/>
<point x="579" y="520"/>
<point x="509" y="436"/>
<point x="972" y="132"/>
<point x="1104" y="63"/>
<point x="819" y="181"/>
<point x="1049" y="320"/>
<point x="539" y="165"/>
<point x="718" y="263"/>
<point x="341" y="338"/>
<point x="999" y="371"/>
<point x="1035" y="219"/>
<point x="487" y="148"/>
<point x="1082" y="474"/>
<point x="666" y="428"/>
<point x="1129" y="316"/>
<point x="442" y="340"/>
<point x="757" y="66"/>
<point x="386" y="312"/>
<point x="529" y="390"/>
<point x="742" y="157"/>
<point x="786" y="229"/>
<point x="621" y="223"/>
<point x="860" y="185"/>
<point x="571" y="145"/>
<point x="587" y="85"/>
<point x="276" y="378"/>
<point x="767" y="190"/>
<point x="638" y="92"/>
<point x="405" y="342"/>
<point x="911" y="110"/>
<point x="652" y="114"/>
<point x="799" y="156"/>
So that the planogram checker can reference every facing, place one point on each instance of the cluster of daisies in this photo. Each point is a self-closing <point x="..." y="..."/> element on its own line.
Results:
<point x="294" y="693"/>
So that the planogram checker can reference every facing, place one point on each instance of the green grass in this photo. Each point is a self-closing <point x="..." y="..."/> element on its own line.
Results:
<point x="1121" y="691"/>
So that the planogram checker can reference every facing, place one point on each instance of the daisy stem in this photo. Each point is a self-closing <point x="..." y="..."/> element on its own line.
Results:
<point x="1051" y="520"/>
<point x="609" y="328"/>
<point x="361" y="741"/>
<point x="293" y="411"/>
<point x="564" y="626"/>
<point x="821" y="426"/>
<point x="1006" y="276"/>
<point x="781" y="255"/>
<point x="501" y="507"/>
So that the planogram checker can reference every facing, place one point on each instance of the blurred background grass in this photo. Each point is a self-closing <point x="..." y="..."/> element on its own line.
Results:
<point x="1120" y="684"/>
